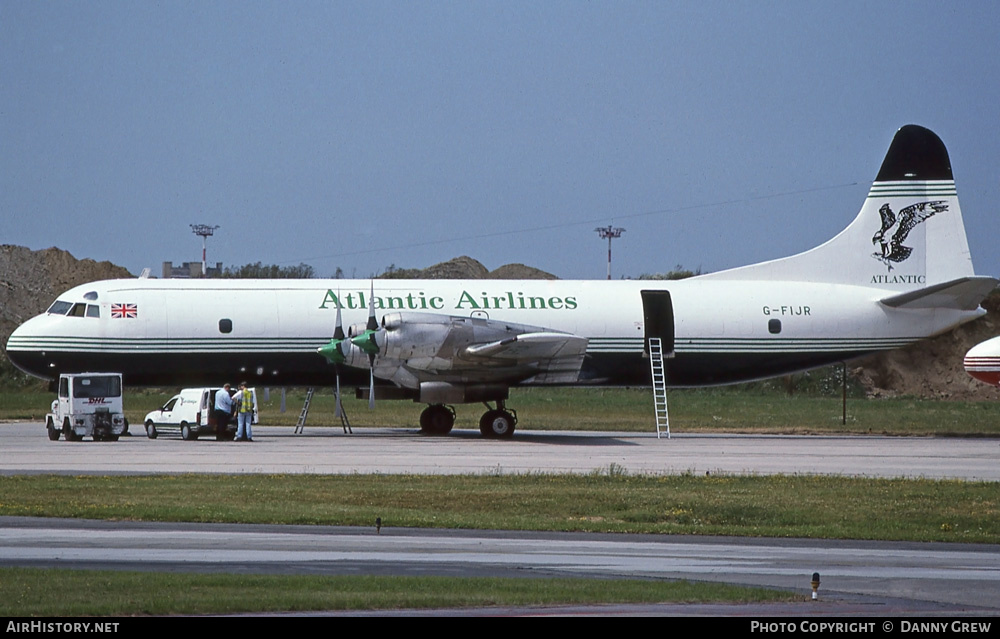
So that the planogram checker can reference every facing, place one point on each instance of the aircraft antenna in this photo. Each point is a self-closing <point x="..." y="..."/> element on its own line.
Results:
<point x="206" y="231"/>
<point x="609" y="232"/>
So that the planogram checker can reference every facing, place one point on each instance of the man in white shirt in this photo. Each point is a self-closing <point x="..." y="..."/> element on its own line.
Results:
<point x="223" y="411"/>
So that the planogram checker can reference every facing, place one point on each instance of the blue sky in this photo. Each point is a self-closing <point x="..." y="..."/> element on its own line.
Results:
<point x="362" y="134"/>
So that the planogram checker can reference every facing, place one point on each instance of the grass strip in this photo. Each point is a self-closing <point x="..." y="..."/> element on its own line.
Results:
<point x="612" y="501"/>
<point x="58" y="592"/>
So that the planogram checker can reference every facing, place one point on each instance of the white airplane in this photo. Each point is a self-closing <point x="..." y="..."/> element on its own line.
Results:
<point x="900" y="272"/>
<point x="983" y="361"/>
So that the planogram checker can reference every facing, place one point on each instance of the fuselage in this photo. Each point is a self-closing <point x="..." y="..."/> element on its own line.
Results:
<point x="983" y="361"/>
<point x="189" y="332"/>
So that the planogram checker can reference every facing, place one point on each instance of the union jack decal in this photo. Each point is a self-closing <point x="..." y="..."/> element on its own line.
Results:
<point x="124" y="311"/>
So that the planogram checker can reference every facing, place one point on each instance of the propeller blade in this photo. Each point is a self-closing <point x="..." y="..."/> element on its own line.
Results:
<point x="372" y="322"/>
<point x="338" y="329"/>
<point x="366" y="342"/>
<point x="332" y="351"/>
<point x="371" y="390"/>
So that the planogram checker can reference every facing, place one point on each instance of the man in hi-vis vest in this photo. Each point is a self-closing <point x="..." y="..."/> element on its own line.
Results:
<point x="244" y="406"/>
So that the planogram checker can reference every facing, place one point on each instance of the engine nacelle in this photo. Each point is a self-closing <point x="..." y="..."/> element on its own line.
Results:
<point x="447" y="393"/>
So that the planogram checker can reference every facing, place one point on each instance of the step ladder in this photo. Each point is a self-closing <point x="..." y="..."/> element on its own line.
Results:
<point x="300" y="426"/>
<point x="659" y="387"/>
<point x="343" y="417"/>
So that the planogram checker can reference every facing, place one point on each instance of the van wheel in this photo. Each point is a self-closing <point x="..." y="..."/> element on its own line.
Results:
<point x="186" y="433"/>
<point x="151" y="430"/>
<point x="68" y="432"/>
<point x="53" y="432"/>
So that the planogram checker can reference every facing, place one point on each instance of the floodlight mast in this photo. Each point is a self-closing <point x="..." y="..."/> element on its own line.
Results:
<point x="609" y="232"/>
<point x="205" y="231"/>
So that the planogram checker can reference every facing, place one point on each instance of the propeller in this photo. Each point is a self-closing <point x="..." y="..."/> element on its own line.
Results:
<point x="334" y="353"/>
<point x="338" y="350"/>
<point x="368" y="344"/>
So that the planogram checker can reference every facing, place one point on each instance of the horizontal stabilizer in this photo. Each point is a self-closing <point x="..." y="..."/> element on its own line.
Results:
<point x="963" y="294"/>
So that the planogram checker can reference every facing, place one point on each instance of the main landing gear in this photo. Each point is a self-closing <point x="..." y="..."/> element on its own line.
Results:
<point x="496" y="423"/>
<point x="437" y="419"/>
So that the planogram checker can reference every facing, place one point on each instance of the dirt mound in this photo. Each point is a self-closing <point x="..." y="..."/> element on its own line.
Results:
<point x="520" y="272"/>
<point x="933" y="368"/>
<point x="466" y="268"/>
<point x="30" y="281"/>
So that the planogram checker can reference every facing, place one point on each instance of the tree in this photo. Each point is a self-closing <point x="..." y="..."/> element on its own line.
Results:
<point x="678" y="273"/>
<point x="269" y="271"/>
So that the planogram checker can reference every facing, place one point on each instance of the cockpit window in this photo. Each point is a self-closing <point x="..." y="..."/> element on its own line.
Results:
<point x="93" y="310"/>
<point x="78" y="310"/>
<point x="59" y="308"/>
<point x="90" y="295"/>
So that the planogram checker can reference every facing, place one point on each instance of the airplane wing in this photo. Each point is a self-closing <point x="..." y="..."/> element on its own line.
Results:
<point x="557" y="357"/>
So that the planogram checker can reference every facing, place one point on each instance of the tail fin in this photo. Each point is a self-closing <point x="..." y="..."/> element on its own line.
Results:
<point x="908" y="235"/>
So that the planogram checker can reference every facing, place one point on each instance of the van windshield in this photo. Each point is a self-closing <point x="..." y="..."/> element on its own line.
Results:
<point x="102" y="386"/>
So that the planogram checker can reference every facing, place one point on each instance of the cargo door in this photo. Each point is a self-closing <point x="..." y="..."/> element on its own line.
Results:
<point x="658" y="320"/>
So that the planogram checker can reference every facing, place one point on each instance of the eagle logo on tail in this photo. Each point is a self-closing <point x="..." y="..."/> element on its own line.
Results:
<point x="892" y="249"/>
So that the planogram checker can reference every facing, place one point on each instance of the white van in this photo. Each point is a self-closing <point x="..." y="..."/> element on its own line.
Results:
<point x="192" y="413"/>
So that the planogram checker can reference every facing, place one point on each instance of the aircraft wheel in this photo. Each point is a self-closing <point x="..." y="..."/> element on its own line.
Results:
<point x="497" y="424"/>
<point x="52" y="430"/>
<point x="187" y="434"/>
<point x="437" y="419"/>
<point x="151" y="430"/>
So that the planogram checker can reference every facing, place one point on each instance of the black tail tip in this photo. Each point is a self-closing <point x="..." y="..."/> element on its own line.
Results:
<point x="916" y="153"/>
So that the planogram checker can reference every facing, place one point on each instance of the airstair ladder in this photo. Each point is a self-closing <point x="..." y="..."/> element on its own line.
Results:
<point x="659" y="387"/>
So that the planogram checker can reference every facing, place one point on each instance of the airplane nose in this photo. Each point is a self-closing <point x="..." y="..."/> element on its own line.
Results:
<point x="22" y="353"/>
<point x="983" y="361"/>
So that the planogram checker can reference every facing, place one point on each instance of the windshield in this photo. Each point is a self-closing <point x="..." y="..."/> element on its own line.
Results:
<point x="104" y="386"/>
<point x="59" y="308"/>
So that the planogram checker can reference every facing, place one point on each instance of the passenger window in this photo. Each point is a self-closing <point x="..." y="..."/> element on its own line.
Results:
<point x="78" y="310"/>
<point x="774" y="326"/>
<point x="93" y="310"/>
<point x="225" y="326"/>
